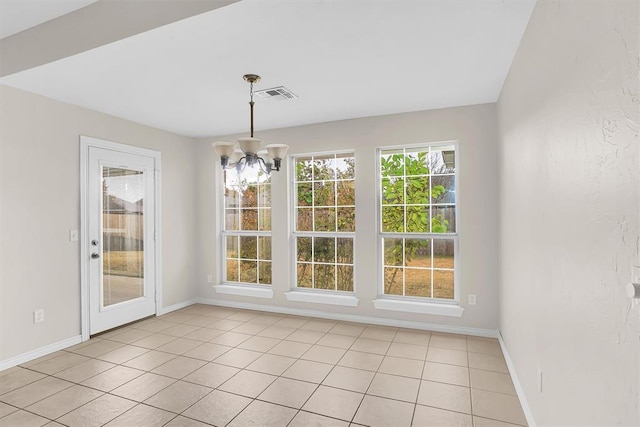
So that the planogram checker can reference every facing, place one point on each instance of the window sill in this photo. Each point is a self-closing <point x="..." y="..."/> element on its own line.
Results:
<point x="322" y="298"/>
<point x="247" y="291"/>
<point x="419" y="307"/>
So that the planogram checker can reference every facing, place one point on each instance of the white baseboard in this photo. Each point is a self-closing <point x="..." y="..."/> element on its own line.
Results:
<point x="178" y="306"/>
<point x="528" y="413"/>
<point x="490" y="333"/>
<point x="39" y="352"/>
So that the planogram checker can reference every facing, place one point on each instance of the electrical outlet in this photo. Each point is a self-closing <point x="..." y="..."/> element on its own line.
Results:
<point x="73" y="235"/>
<point x="539" y="379"/>
<point x="209" y="278"/>
<point x="472" y="299"/>
<point x="38" y="316"/>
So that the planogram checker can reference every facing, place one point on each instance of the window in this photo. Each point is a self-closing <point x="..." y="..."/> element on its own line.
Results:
<point x="324" y="203"/>
<point x="247" y="226"/>
<point x="418" y="221"/>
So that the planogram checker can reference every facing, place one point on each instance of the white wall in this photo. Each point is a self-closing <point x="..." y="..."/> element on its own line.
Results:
<point x="40" y="201"/>
<point x="568" y="123"/>
<point x="474" y="127"/>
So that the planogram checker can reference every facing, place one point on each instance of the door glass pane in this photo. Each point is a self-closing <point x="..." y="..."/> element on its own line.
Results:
<point x="122" y="235"/>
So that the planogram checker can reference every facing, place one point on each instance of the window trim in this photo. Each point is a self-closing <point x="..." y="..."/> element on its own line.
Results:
<point x="397" y="302"/>
<point x="225" y="286"/>
<point x="297" y="293"/>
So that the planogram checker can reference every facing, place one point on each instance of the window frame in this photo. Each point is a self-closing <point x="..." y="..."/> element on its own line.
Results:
<point x="311" y="234"/>
<point x="224" y="233"/>
<point x="454" y="236"/>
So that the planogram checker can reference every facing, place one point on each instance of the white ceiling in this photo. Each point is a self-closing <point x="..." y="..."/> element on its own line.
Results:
<point x="343" y="58"/>
<point x="18" y="15"/>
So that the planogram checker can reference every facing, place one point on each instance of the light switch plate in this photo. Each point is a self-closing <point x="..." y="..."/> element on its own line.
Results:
<point x="73" y="235"/>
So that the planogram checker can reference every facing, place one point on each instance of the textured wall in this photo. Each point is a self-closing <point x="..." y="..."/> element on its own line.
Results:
<point x="568" y="123"/>
<point x="40" y="197"/>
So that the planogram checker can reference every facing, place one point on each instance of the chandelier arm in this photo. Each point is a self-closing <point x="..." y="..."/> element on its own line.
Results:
<point x="265" y="166"/>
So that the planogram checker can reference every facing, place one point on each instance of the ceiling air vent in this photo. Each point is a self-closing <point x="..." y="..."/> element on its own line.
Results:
<point x="279" y="93"/>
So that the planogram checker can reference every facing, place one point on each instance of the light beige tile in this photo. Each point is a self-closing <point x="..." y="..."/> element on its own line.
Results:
<point x="293" y="322"/>
<point x="178" y="396"/>
<point x="18" y="379"/>
<point x="349" y="379"/>
<point x="408" y="351"/>
<point x="226" y="324"/>
<point x="57" y="364"/>
<point x="149" y="360"/>
<point x="181" y="421"/>
<point x="379" y="412"/>
<point x="201" y="321"/>
<point x="275" y="331"/>
<point x="208" y="351"/>
<point x="53" y="424"/>
<point x="320" y="353"/>
<point x="443" y="373"/>
<point x="248" y="383"/>
<point x="204" y="334"/>
<point x="84" y="370"/>
<point x="180" y="330"/>
<point x="179" y="367"/>
<point x="400" y="366"/>
<point x="318" y="325"/>
<point x="497" y="406"/>
<point x="484" y="345"/>
<point x="261" y="344"/>
<point x="178" y="317"/>
<point x="307" y="419"/>
<point x="290" y="348"/>
<point x="412" y="337"/>
<point x="90" y="341"/>
<point x="179" y="346"/>
<point x="243" y="315"/>
<point x="154" y="326"/>
<point x="6" y="409"/>
<point x="211" y="375"/>
<point x="271" y="364"/>
<point x="485" y="422"/>
<point x="108" y="380"/>
<point x="217" y="408"/>
<point x="143" y="387"/>
<point x="394" y="387"/>
<point x="492" y="381"/>
<point x="25" y="396"/>
<point x="351" y="329"/>
<point x="64" y="401"/>
<point x="360" y="360"/>
<point x="130" y="336"/>
<point x="450" y="341"/>
<point x="371" y="346"/>
<point x="307" y="370"/>
<point x="303" y="335"/>
<point x="250" y="328"/>
<point x="445" y="355"/>
<point x="265" y="414"/>
<point x="98" y="348"/>
<point x="266" y="319"/>
<point x="123" y="354"/>
<point x="22" y="419"/>
<point x="488" y="362"/>
<point x="336" y="340"/>
<point x="445" y="396"/>
<point x="142" y="416"/>
<point x="11" y="370"/>
<point x="154" y="341"/>
<point x="379" y="333"/>
<point x="97" y="412"/>
<point x="230" y="339"/>
<point x="238" y="357"/>
<point x="426" y="416"/>
<point x="287" y="392"/>
<point x="40" y="359"/>
<point x="334" y="402"/>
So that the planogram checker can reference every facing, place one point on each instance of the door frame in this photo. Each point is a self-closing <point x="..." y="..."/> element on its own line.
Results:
<point x="87" y="142"/>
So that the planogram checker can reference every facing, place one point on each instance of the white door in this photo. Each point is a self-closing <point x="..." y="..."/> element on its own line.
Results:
<point x="120" y="237"/>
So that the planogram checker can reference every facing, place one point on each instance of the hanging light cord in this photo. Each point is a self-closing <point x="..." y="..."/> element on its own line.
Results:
<point x="251" y="104"/>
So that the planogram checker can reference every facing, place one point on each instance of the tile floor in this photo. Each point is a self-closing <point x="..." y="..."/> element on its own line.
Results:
<point x="206" y="365"/>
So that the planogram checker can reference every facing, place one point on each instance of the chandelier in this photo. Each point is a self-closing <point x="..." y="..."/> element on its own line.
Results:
<point x="250" y="147"/>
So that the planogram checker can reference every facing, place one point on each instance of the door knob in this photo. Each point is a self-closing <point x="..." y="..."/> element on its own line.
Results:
<point x="95" y="255"/>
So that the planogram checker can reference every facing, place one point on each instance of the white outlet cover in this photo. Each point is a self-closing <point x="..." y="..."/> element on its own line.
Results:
<point x="73" y="235"/>
<point x="472" y="299"/>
